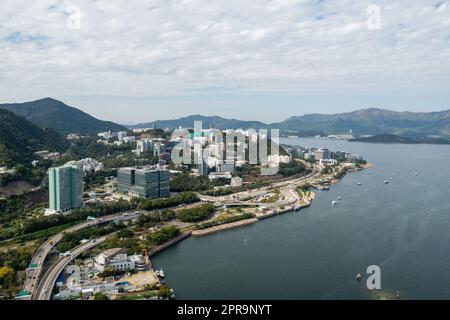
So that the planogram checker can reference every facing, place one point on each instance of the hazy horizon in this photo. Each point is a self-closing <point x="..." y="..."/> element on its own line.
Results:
<point x="176" y="112"/>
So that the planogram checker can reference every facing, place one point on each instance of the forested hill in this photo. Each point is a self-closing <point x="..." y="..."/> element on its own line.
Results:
<point x="54" y="114"/>
<point x="19" y="139"/>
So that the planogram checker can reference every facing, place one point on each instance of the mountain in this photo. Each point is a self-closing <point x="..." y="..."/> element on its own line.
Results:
<point x="214" y="121"/>
<point x="19" y="139"/>
<point x="54" y="114"/>
<point x="390" y="138"/>
<point x="362" y="122"/>
<point x="373" y="121"/>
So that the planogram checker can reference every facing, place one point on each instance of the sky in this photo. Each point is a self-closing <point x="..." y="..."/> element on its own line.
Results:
<point x="134" y="61"/>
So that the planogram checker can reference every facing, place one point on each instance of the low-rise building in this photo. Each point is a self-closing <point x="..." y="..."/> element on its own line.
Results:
<point x="277" y="159"/>
<point x="118" y="260"/>
<point x="90" y="165"/>
<point x="47" y="155"/>
<point x="328" y="162"/>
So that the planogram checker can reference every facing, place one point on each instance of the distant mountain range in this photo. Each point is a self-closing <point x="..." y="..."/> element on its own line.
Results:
<point x="391" y="138"/>
<point x="54" y="114"/>
<point x="362" y="122"/>
<point x="19" y="139"/>
<point x="207" y="121"/>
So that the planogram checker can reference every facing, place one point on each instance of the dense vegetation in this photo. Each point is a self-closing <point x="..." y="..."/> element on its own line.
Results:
<point x="182" y="198"/>
<point x="36" y="225"/>
<point x="152" y="218"/>
<point x="195" y="214"/>
<point x="225" y="220"/>
<point x="163" y="235"/>
<point x="73" y="239"/>
<point x="186" y="182"/>
<point x="11" y="262"/>
<point x="97" y="179"/>
<point x="112" y="156"/>
<point x="292" y="168"/>
<point x="19" y="139"/>
<point x="31" y="224"/>
<point x="226" y="191"/>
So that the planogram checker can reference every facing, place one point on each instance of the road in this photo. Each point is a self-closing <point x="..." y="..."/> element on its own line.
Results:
<point x="33" y="274"/>
<point x="45" y="288"/>
<point x="235" y="198"/>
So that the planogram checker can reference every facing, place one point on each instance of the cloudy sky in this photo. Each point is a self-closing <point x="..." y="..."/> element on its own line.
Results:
<point x="139" y="60"/>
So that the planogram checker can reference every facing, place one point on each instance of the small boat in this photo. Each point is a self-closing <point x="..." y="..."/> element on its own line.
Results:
<point x="160" y="273"/>
<point x="334" y="202"/>
<point x="391" y="178"/>
<point x="386" y="181"/>
<point x="339" y="198"/>
<point x="358" y="277"/>
<point x="359" y="184"/>
<point x="297" y="208"/>
<point x="417" y="174"/>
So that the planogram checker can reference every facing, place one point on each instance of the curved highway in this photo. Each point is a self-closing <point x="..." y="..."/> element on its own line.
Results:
<point x="45" y="288"/>
<point x="34" y="272"/>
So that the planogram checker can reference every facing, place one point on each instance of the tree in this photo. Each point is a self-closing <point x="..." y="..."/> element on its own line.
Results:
<point x="163" y="235"/>
<point x="164" y="292"/>
<point x="108" y="272"/>
<point x="101" y="296"/>
<point x="6" y="276"/>
<point x="195" y="214"/>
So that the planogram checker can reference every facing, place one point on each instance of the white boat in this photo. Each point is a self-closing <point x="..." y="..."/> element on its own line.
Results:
<point x="417" y="174"/>
<point x="339" y="198"/>
<point x="386" y="181"/>
<point x="161" y="273"/>
<point x="359" y="184"/>
<point x="334" y="202"/>
<point x="297" y="208"/>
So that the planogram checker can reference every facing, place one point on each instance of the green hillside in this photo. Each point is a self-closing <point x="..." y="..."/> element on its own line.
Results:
<point x="54" y="114"/>
<point x="19" y="139"/>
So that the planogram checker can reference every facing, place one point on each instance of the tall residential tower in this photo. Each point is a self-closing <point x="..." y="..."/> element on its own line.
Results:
<point x="65" y="188"/>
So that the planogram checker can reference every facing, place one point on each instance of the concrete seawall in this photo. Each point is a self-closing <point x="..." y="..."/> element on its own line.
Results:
<point x="162" y="247"/>
<point x="200" y="233"/>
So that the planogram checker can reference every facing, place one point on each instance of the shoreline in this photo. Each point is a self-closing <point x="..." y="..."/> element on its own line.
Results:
<point x="228" y="226"/>
<point x="258" y="218"/>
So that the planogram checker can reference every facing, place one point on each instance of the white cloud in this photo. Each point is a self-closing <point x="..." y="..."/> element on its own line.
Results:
<point x="154" y="47"/>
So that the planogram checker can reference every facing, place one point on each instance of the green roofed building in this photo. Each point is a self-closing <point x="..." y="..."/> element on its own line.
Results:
<point x="65" y="188"/>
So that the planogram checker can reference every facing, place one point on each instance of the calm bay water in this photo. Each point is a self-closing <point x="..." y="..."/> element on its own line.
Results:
<point x="404" y="227"/>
